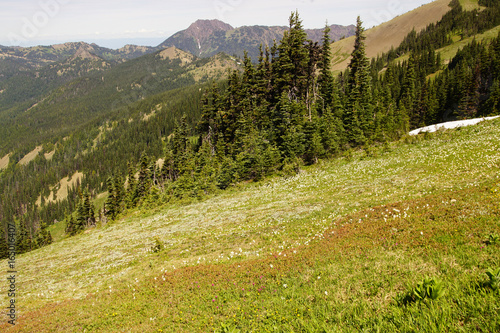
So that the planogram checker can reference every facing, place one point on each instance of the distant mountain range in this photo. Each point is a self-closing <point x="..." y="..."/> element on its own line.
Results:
<point x="205" y="38"/>
<point x="28" y="75"/>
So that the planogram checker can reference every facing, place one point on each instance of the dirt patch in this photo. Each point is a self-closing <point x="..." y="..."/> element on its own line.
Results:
<point x="4" y="162"/>
<point x="30" y="156"/>
<point x="49" y="155"/>
<point x="159" y="163"/>
<point x="62" y="188"/>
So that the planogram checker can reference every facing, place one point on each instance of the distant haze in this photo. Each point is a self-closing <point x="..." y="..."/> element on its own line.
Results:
<point x="114" y="23"/>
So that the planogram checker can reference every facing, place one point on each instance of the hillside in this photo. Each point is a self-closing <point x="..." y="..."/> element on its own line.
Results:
<point x="390" y="34"/>
<point x="291" y="252"/>
<point x="85" y="88"/>
<point x="214" y="194"/>
<point x="39" y="56"/>
<point x="205" y="38"/>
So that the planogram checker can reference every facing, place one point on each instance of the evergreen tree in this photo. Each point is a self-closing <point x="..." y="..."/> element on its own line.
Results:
<point x="89" y="210"/>
<point x="181" y="149"/>
<point x="4" y="246"/>
<point x="144" y="181"/>
<point x="469" y="102"/>
<point x="313" y="144"/>
<point x="167" y="169"/>
<point x="207" y="170"/>
<point x="43" y="237"/>
<point x="293" y="61"/>
<point x="358" y="112"/>
<point x="408" y="94"/>
<point x="72" y="227"/>
<point x="326" y="79"/>
<point x="386" y="115"/>
<point x="492" y="105"/>
<point x="288" y="121"/>
<point x="111" y="207"/>
<point x="23" y="239"/>
<point x="131" y="196"/>
<point x="119" y="192"/>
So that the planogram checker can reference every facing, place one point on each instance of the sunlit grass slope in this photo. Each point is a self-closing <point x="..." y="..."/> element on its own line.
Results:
<point x="389" y="34"/>
<point x="335" y="248"/>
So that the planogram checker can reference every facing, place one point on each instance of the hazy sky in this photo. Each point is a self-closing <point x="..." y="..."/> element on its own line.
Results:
<point x="113" y="23"/>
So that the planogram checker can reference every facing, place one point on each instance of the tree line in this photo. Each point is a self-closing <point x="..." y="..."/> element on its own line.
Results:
<point x="288" y="109"/>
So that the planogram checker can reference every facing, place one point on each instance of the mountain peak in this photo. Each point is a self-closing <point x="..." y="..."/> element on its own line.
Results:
<point x="209" y="26"/>
<point x="175" y="53"/>
<point x="205" y="38"/>
<point x="202" y="30"/>
<point x="83" y="52"/>
<point x="196" y="36"/>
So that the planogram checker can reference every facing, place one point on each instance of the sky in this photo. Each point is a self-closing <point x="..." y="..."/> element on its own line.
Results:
<point x="114" y="23"/>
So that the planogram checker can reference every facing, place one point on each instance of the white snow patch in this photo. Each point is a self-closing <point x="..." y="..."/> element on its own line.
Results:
<point x="450" y="124"/>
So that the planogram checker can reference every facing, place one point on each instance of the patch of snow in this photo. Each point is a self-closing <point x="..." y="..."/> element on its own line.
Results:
<point x="450" y="124"/>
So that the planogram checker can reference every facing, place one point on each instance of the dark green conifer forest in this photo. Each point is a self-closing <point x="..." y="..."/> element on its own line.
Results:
<point x="283" y="110"/>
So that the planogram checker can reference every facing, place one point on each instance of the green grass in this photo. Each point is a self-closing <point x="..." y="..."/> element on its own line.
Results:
<point x="57" y="230"/>
<point x="334" y="248"/>
<point x="448" y="52"/>
<point x="470" y="4"/>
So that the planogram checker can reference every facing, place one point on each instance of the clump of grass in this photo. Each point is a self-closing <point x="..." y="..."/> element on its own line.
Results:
<point x="428" y="289"/>
<point x="494" y="281"/>
<point x="493" y="239"/>
<point x="158" y="246"/>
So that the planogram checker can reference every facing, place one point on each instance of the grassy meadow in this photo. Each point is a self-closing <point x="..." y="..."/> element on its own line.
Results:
<point x="397" y="238"/>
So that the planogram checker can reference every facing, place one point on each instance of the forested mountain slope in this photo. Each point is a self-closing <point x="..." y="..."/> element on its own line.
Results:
<point x="69" y="95"/>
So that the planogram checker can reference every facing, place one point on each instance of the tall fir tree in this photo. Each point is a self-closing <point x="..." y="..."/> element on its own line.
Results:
<point x="4" y="247"/>
<point x="111" y="207"/>
<point x="492" y="105"/>
<point x="23" y="239"/>
<point x="131" y="196"/>
<point x="326" y="79"/>
<point x="292" y="62"/>
<point x="358" y="112"/>
<point x="144" y="181"/>
<point x="409" y="90"/>
<point x="71" y="226"/>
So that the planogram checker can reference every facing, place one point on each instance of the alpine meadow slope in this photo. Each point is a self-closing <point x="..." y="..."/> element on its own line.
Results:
<point x="330" y="248"/>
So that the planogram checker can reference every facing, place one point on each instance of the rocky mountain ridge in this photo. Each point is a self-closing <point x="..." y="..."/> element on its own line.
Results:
<point x="205" y="38"/>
